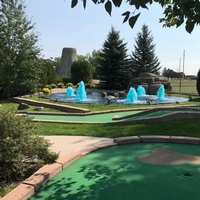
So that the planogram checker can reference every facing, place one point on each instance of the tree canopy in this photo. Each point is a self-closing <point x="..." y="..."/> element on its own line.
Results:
<point x="113" y="65"/>
<point x="176" y="12"/>
<point x="143" y="58"/>
<point x="19" y="63"/>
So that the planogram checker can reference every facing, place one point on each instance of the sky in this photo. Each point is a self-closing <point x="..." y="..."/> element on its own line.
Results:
<point x="58" y="26"/>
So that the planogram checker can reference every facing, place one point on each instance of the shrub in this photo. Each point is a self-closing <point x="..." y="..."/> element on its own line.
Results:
<point x="48" y="86"/>
<point x="53" y="85"/>
<point x="46" y="90"/>
<point x="88" y="85"/>
<point x="66" y="79"/>
<point x="60" y="85"/>
<point x="63" y="79"/>
<point x="69" y="84"/>
<point x="20" y="145"/>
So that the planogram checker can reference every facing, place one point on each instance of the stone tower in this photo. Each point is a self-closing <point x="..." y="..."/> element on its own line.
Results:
<point x="69" y="55"/>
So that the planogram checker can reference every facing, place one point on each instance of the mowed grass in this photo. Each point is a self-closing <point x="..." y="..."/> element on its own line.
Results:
<point x="184" y="86"/>
<point x="187" y="127"/>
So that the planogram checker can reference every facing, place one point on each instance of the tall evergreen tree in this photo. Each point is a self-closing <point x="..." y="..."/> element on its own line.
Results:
<point x="143" y="58"/>
<point x="19" y="63"/>
<point x="113" y="65"/>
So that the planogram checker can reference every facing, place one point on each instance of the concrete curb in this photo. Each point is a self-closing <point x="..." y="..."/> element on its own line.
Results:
<point x="156" y="139"/>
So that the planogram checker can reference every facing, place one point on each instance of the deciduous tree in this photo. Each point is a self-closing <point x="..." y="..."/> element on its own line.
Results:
<point x="19" y="63"/>
<point x="176" y="12"/>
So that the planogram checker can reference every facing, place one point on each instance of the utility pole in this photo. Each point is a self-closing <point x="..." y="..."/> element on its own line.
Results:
<point x="183" y="63"/>
<point x="180" y="73"/>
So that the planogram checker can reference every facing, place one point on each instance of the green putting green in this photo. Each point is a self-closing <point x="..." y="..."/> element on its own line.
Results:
<point x="116" y="173"/>
<point x="105" y="117"/>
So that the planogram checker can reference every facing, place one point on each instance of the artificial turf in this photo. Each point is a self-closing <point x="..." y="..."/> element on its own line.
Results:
<point x="115" y="173"/>
<point x="105" y="117"/>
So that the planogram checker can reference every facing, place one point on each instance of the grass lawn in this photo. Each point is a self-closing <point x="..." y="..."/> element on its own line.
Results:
<point x="188" y="127"/>
<point x="184" y="86"/>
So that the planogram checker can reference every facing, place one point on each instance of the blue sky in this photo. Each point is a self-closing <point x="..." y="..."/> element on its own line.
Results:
<point x="59" y="26"/>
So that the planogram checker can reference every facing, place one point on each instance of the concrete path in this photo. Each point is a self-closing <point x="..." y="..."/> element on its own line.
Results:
<point x="66" y="144"/>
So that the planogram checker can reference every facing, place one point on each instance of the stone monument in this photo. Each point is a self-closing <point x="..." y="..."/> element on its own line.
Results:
<point x="69" y="55"/>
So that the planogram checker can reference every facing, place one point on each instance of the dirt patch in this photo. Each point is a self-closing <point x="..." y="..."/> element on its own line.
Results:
<point x="162" y="156"/>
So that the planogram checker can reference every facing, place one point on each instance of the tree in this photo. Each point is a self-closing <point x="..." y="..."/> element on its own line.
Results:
<point x="198" y="82"/>
<point x="19" y="63"/>
<point x="176" y="11"/>
<point x="169" y="73"/>
<point x="113" y="66"/>
<point x="93" y="59"/>
<point x="143" y="58"/>
<point x="81" y="70"/>
<point x="48" y="75"/>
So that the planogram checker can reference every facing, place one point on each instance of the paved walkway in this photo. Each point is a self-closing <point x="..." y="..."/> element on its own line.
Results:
<point x="66" y="144"/>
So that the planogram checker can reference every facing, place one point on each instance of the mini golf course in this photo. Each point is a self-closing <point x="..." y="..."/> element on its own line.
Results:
<point x="123" y="172"/>
<point x="136" y="116"/>
<point x="141" y="171"/>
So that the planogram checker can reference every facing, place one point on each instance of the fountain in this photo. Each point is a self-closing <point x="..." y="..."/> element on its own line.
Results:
<point x="132" y="95"/>
<point x="70" y="92"/>
<point x="81" y="94"/>
<point x="141" y="91"/>
<point x="161" y="93"/>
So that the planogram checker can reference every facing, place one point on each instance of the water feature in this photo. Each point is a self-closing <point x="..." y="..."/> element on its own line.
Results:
<point x="141" y="91"/>
<point x="81" y="94"/>
<point x="161" y="93"/>
<point x="132" y="97"/>
<point x="70" y="92"/>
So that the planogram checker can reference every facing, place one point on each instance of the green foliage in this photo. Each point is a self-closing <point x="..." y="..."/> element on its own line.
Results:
<point x="20" y="145"/>
<point x="93" y="60"/>
<point x="69" y="85"/>
<point x="143" y="58"/>
<point x="53" y="85"/>
<point x="169" y="73"/>
<point x="113" y="64"/>
<point x="48" y="86"/>
<point x="19" y="66"/>
<point x="48" y="73"/>
<point x="60" y="85"/>
<point x="63" y="79"/>
<point x="81" y="70"/>
<point x="198" y="82"/>
<point x="176" y="11"/>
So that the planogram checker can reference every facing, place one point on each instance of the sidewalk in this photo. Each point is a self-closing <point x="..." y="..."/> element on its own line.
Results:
<point x="66" y="144"/>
